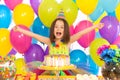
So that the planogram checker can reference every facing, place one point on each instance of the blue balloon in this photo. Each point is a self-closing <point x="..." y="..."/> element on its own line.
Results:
<point x="78" y="57"/>
<point x="34" y="41"/>
<point x="97" y="35"/>
<point x="109" y="5"/>
<point x="97" y="13"/>
<point x="39" y="28"/>
<point x="90" y="66"/>
<point x="5" y="16"/>
<point x="112" y="14"/>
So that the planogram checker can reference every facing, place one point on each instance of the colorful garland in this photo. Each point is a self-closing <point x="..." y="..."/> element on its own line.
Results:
<point x="109" y="55"/>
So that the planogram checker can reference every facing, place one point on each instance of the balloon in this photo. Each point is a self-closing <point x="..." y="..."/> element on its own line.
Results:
<point x="46" y="51"/>
<point x="111" y="28"/>
<point x="23" y="14"/>
<point x="70" y="11"/>
<point x="97" y="35"/>
<point x="99" y="19"/>
<point x="109" y="5"/>
<point x="12" y="52"/>
<point x="87" y="6"/>
<point x="113" y="46"/>
<point x="35" y="5"/>
<point x="94" y="48"/>
<point x="39" y="28"/>
<point x="90" y="66"/>
<point x="74" y="1"/>
<point x="19" y="41"/>
<point x="34" y="53"/>
<point x="112" y="14"/>
<point x="97" y="12"/>
<point x="71" y="30"/>
<point x="34" y="41"/>
<point x="5" y="16"/>
<point x="117" y="41"/>
<point x="117" y="11"/>
<point x="48" y="11"/>
<point x="5" y="45"/>
<point x="78" y="57"/>
<point x="20" y="66"/>
<point x="12" y="3"/>
<point x="86" y="39"/>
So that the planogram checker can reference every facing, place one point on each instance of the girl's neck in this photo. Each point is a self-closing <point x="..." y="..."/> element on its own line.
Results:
<point x="57" y="41"/>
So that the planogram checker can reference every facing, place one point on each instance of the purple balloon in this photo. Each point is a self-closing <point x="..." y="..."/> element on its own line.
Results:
<point x="34" y="53"/>
<point x="12" y="52"/>
<point x="110" y="30"/>
<point x="46" y="51"/>
<point x="35" y="5"/>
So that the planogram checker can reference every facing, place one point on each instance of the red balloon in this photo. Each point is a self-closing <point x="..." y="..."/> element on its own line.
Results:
<point x="20" y="41"/>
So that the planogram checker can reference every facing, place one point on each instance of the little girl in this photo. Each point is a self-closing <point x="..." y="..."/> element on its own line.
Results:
<point x="60" y="39"/>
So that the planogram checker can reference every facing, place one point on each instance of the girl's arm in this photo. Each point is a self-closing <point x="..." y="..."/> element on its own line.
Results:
<point x="33" y="35"/>
<point x="76" y="36"/>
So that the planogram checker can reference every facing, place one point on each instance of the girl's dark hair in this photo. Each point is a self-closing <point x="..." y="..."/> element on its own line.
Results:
<point x="66" y="35"/>
<point x="111" y="71"/>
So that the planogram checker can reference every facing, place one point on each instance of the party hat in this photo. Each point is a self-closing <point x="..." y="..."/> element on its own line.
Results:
<point x="61" y="14"/>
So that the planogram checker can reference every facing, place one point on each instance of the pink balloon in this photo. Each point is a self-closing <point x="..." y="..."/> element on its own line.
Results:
<point x="117" y="41"/>
<point x="71" y="30"/>
<point x="20" y="41"/>
<point x="86" y="39"/>
<point x="12" y="3"/>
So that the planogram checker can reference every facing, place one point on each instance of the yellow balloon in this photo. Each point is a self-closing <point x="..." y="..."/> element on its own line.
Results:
<point x="117" y="11"/>
<point x="48" y="11"/>
<point x="87" y="6"/>
<point x="93" y="50"/>
<point x="114" y="46"/>
<point x="23" y="14"/>
<point x="20" y="66"/>
<point x="5" y="45"/>
<point x="70" y="10"/>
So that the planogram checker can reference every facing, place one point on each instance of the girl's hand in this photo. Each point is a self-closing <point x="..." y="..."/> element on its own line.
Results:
<point x="16" y="28"/>
<point x="100" y="25"/>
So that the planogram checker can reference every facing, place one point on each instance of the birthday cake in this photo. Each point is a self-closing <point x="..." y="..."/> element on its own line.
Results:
<point x="57" y="60"/>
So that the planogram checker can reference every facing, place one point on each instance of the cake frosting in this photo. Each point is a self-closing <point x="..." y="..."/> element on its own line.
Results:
<point x="57" y="60"/>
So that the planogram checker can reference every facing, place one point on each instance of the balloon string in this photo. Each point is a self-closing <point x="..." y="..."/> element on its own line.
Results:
<point x="88" y="33"/>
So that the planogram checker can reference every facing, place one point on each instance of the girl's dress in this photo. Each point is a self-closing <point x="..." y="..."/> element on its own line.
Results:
<point x="58" y="49"/>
